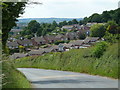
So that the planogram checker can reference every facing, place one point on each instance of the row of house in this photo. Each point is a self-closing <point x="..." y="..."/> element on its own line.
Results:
<point x="48" y="39"/>
<point x="76" y="44"/>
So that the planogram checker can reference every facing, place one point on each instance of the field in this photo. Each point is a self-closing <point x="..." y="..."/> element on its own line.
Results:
<point x="76" y="60"/>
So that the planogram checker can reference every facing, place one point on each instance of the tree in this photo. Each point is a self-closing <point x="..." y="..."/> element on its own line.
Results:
<point x="95" y="18"/>
<point x="85" y="20"/>
<point x="10" y="12"/>
<point x="33" y="26"/>
<point x="63" y="23"/>
<point x="97" y="30"/>
<point x="54" y="24"/>
<point x="74" y="21"/>
<point x="105" y="16"/>
<point x="80" y="22"/>
<point x="39" y="32"/>
<point x="110" y="37"/>
<point x="112" y="27"/>
<point x="99" y="49"/>
<point x="69" y="22"/>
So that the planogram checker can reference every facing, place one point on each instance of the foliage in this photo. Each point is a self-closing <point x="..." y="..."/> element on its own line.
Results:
<point x="74" y="60"/>
<point x="112" y="38"/>
<point x="10" y="13"/>
<point x="58" y="42"/>
<point x="74" y="21"/>
<point x="95" y="18"/>
<point x="112" y="27"/>
<point x="104" y="17"/>
<point x="12" y="77"/>
<point x="33" y="26"/>
<point x="21" y="48"/>
<point x="82" y="36"/>
<point x="99" y="49"/>
<point x="12" y="51"/>
<point x="97" y="30"/>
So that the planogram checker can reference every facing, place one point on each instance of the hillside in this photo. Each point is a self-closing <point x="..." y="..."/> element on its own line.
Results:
<point x="77" y="61"/>
<point x="47" y="20"/>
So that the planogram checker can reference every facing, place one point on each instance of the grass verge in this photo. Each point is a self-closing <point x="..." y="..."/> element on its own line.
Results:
<point x="77" y="60"/>
<point x="13" y="78"/>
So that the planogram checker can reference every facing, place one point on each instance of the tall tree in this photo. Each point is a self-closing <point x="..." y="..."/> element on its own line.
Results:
<point x="95" y="18"/>
<point x="33" y="26"/>
<point x="112" y="27"/>
<point x="74" y="21"/>
<point x="10" y="12"/>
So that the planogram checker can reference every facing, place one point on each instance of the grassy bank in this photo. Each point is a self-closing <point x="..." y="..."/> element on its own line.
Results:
<point x="13" y="78"/>
<point x="77" y="60"/>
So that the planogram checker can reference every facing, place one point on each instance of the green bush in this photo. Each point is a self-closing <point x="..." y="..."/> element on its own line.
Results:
<point x="112" y="38"/>
<point x="99" y="49"/>
<point x="58" y="42"/>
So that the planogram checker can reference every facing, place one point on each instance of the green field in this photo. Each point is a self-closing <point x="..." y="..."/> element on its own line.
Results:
<point x="76" y="60"/>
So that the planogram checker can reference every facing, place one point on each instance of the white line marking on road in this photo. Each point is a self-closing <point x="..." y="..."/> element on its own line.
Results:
<point x="60" y="76"/>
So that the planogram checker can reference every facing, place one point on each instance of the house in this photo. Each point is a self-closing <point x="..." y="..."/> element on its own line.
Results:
<point x="71" y="35"/>
<point x="36" y="52"/>
<point x="47" y="50"/>
<point x="38" y="41"/>
<point x="15" y="31"/>
<point x="50" y="38"/>
<point x="12" y="45"/>
<point x="25" y="42"/>
<point x="68" y="27"/>
<point x="61" y="37"/>
<point x="54" y="48"/>
<point x="91" y="24"/>
<point x="90" y="40"/>
<point x="77" y="43"/>
<point x="83" y="30"/>
<point x="18" y="55"/>
<point x="60" y="48"/>
<point x="67" y="47"/>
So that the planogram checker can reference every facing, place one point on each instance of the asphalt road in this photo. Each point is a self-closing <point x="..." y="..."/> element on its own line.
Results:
<point x="41" y="78"/>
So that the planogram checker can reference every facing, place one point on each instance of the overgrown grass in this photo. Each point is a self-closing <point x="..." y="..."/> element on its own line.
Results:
<point x="12" y="77"/>
<point x="77" y="60"/>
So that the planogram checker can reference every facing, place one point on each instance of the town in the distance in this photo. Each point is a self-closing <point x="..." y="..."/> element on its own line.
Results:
<point x="35" y="38"/>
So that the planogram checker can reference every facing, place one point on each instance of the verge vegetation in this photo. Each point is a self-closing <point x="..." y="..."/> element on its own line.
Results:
<point x="12" y="78"/>
<point x="78" y="60"/>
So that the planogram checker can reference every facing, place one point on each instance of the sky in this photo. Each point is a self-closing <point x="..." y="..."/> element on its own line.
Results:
<point x="68" y="8"/>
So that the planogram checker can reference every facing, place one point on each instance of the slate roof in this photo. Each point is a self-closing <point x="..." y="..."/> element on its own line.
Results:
<point x="49" y="37"/>
<point x="91" y="39"/>
<point x="12" y="44"/>
<point x="39" y="39"/>
<point x="47" y="50"/>
<point x="25" y="41"/>
<point x="54" y="47"/>
<point x="77" y="42"/>
<point x="68" y="27"/>
<point x="67" y="45"/>
<point x="17" y="55"/>
<point x="36" y="52"/>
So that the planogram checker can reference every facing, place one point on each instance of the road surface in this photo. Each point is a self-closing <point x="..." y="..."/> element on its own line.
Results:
<point x="41" y="78"/>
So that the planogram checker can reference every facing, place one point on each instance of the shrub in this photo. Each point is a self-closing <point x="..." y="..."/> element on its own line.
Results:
<point x="112" y="38"/>
<point x="58" y="42"/>
<point x="99" y="49"/>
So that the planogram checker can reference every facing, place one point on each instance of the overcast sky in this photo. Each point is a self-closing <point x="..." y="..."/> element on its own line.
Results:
<point x="68" y="8"/>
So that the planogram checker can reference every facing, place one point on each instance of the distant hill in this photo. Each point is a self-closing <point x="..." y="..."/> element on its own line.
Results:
<point x="47" y="20"/>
